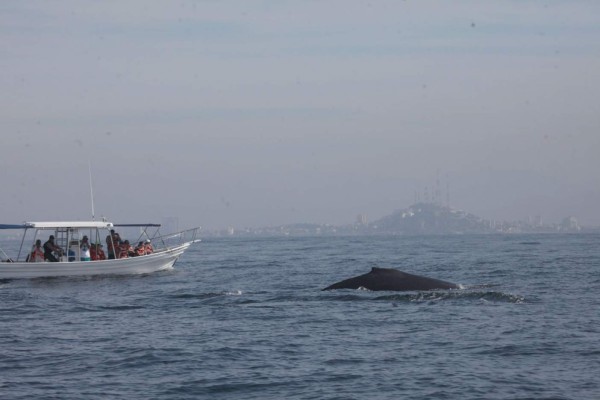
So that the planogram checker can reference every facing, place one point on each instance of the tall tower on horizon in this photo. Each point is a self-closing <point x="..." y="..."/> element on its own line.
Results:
<point x="435" y="194"/>
<point x="447" y="192"/>
<point x="438" y="191"/>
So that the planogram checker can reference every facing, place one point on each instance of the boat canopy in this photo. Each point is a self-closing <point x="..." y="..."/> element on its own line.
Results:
<point x="138" y="225"/>
<point x="59" y="224"/>
<point x="12" y="226"/>
<point x="72" y="224"/>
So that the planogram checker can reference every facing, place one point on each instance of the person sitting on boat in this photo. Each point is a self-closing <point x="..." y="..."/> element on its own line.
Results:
<point x="148" y="247"/>
<point x="49" y="248"/>
<point x="126" y="250"/>
<point x="37" y="254"/>
<point x="140" y="249"/>
<point x="96" y="253"/>
<point x="85" y="249"/>
<point x="113" y="242"/>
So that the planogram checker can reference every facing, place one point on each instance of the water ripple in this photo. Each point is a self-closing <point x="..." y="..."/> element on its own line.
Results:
<point x="245" y="318"/>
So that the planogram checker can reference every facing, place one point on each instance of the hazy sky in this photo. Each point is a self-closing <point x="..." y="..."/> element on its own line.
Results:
<point x="253" y="113"/>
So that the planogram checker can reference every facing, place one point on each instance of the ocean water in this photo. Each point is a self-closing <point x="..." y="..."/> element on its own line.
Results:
<point x="245" y="318"/>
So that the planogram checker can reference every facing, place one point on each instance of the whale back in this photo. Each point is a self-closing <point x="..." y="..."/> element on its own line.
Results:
<point x="393" y="280"/>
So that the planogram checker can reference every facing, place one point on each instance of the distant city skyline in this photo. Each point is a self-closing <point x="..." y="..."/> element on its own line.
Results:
<point x="418" y="218"/>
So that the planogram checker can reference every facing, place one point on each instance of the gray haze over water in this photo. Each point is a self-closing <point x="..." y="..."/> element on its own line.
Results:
<point x="269" y="112"/>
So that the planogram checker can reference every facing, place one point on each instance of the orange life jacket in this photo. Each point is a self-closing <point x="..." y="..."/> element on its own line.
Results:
<point x="148" y="248"/>
<point x="37" y="255"/>
<point x="100" y="254"/>
<point x="97" y="254"/>
<point x="124" y="250"/>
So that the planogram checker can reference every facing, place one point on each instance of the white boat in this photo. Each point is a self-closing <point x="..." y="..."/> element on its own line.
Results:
<point x="68" y="236"/>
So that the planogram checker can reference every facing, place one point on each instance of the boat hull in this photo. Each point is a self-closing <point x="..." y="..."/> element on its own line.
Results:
<point x="126" y="266"/>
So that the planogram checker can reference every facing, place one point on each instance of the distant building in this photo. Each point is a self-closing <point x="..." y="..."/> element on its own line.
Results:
<point x="569" y="224"/>
<point x="361" y="219"/>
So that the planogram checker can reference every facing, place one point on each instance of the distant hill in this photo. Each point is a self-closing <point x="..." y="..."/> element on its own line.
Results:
<point x="428" y="218"/>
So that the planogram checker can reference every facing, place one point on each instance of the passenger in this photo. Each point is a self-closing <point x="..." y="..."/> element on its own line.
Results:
<point x="125" y="250"/>
<point x="49" y="248"/>
<point x="100" y="250"/>
<point x="148" y="247"/>
<point x="85" y="249"/>
<point x="109" y="246"/>
<point x="37" y="254"/>
<point x="94" y="252"/>
<point x="113" y="242"/>
<point x="130" y="250"/>
<point x="97" y="254"/>
<point x="140" y="249"/>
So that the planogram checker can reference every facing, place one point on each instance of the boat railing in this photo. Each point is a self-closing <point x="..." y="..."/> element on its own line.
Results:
<point x="168" y="241"/>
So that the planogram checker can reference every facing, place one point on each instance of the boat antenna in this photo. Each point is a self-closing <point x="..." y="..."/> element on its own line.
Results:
<point x="91" y="190"/>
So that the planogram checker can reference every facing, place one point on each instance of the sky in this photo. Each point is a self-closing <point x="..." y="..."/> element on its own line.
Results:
<point x="260" y="113"/>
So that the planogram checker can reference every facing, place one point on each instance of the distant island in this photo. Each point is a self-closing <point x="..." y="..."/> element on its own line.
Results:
<point x="419" y="219"/>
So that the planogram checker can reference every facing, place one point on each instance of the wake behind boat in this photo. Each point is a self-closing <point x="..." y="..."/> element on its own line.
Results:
<point x="75" y="244"/>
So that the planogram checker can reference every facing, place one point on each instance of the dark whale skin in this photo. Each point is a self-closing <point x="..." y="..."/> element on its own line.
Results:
<point x="392" y="280"/>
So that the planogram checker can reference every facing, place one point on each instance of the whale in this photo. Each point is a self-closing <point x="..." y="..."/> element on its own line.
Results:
<point x="392" y="280"/>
